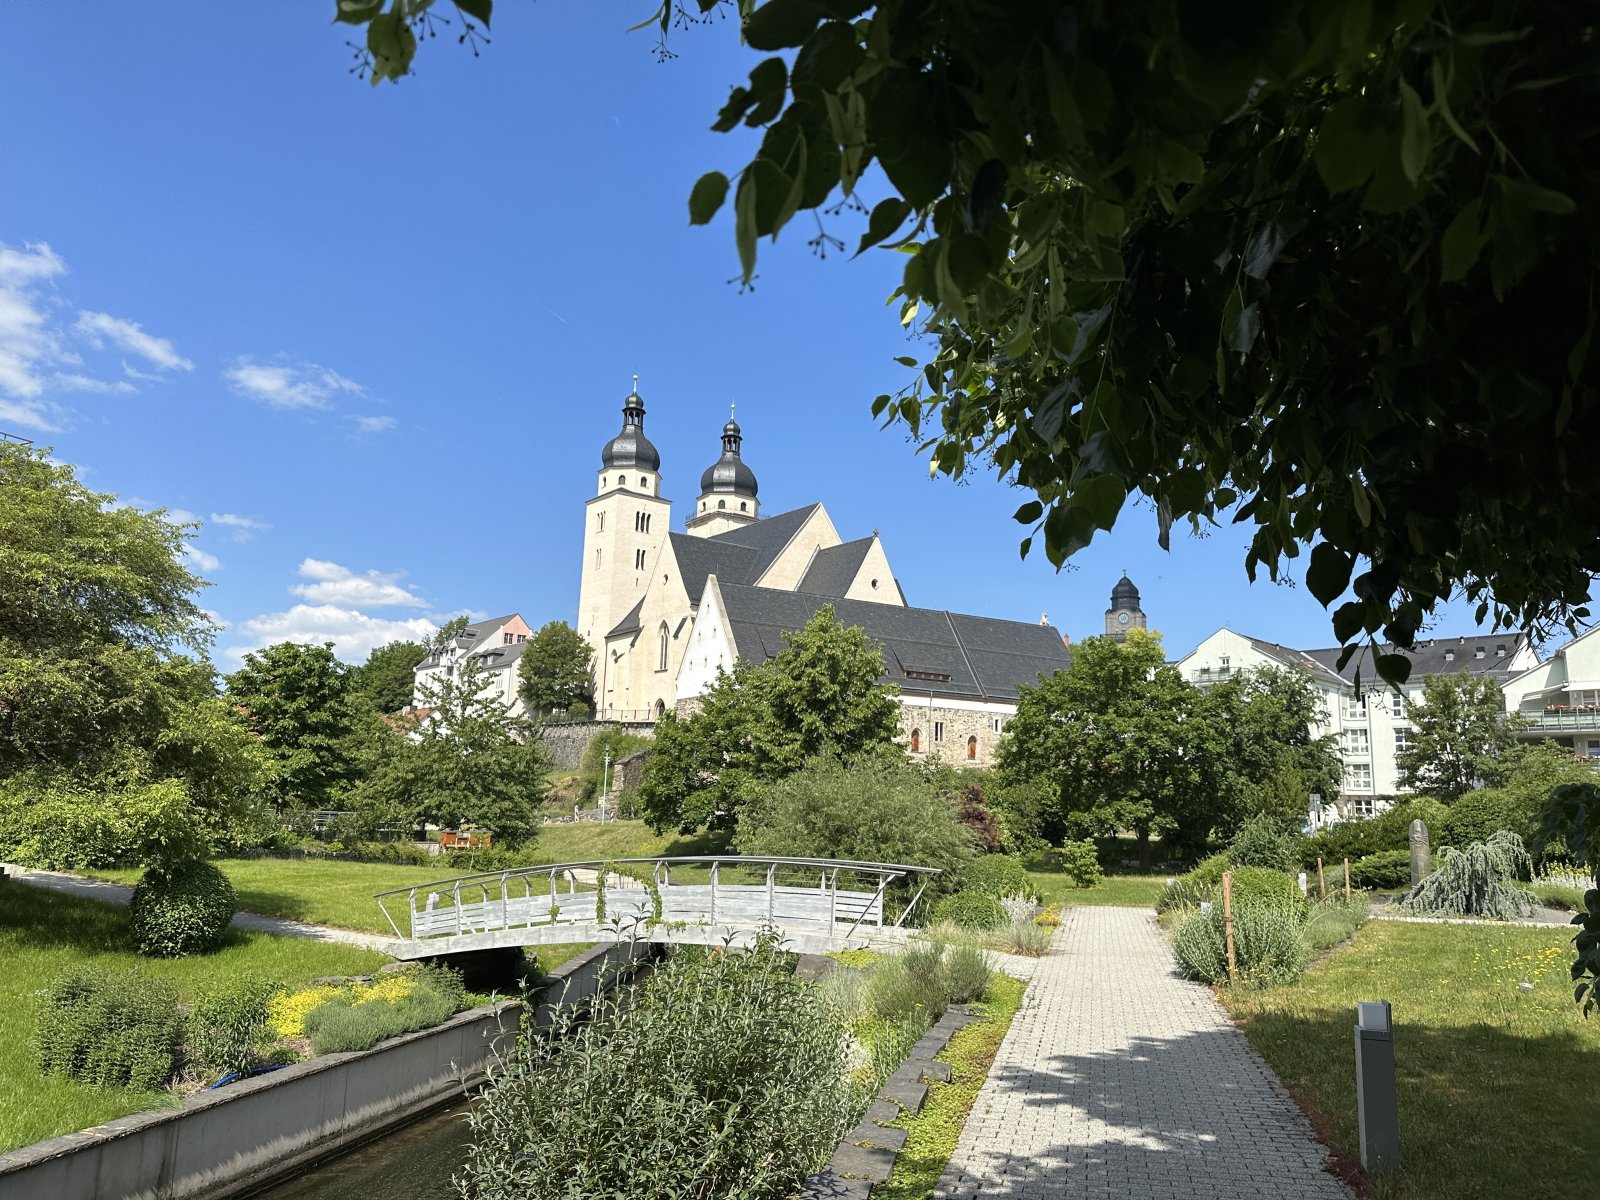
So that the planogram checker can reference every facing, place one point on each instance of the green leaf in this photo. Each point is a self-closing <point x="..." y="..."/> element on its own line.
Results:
<point x="1393" y="668"/>
<point x="970" y="261"/>
<point x="1245" y="329"/>
<point x="744" y="226"/>
<point x="1264" y="249"/>
<point x="768" y="83"/>
<point x="710" y="190"/>
<point x="1029" y="512"/>
<point x="1535" y="198"/>
<point x="887" y="216"/>
<point x="1344" y="150"/>
<point x="1462" y="242"/>
<point x="356" y="12"/>
<point x="1027" y="544"/>
<point x="1328" y="574"/>
<point x="1047" y="418"/>
<point x="1358" y="497"/>
<point x="780" y="24"/>
<point x="1441" y="105"/>
<point x="1101" y="497"/>
<point x="478" y="10"/>
<point x="392" y="46"/>
<point x="1176" y="163"/>
<point x="1414" y="141"/>
<point x="1347" y="622"/>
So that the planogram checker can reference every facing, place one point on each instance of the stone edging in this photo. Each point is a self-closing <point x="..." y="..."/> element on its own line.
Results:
<point x="867" y="1153"/>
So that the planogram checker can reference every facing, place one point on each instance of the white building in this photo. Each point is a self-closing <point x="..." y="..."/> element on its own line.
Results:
<point x="1371" y="730"/>
<point x="494" y="645"/>
<point x="1560" y="697"/>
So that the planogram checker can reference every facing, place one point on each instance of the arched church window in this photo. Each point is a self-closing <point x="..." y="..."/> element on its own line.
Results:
<point x="664" y="636"/>
<point x="643" y="482"/>
<point x="722" y="504"/>
<point x="661" y="709"/>
<point x="972" y="748"/>
<point x="916" y="741"/>
<point x="743" y="507"/>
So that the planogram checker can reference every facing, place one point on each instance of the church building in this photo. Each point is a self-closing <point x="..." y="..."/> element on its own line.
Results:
<point x="666" y="610"/>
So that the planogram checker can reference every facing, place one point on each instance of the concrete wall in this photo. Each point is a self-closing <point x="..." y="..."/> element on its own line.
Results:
<point x="565" y="742"/>
<point x="264" y="1129"/>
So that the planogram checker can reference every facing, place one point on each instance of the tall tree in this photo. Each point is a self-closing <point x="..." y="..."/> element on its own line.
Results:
<point x="469" y="761"/>
<point x="1325" y="268"/>
<point x="1464" y="737"/>
<point x="299" y="700"/>
<point x="1125" y="743"/>
<point x="113" y="743"/>
<point x="388" y="678"/>
<point x="819" y="696"/>
<point x="1271" y="715"/>
<point x="447" y="633"/>
<point x="555" y="672"/>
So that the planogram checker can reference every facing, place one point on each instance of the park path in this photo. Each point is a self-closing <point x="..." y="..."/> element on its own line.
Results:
<point x="1120" y="1079"/>
<point x="116" y="893"/>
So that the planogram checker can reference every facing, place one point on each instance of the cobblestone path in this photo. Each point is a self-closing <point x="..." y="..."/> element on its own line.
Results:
<point x="1120" y="1080"/>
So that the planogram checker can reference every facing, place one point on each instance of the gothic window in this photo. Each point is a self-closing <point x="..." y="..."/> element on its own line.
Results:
<point x="661" y="709"/>
<point x="916" y="741"/>
<point x="638" y="560"/>
<point x="599" y="522"/>
<point x="597" y="558"/>
<point x="663" y="636"/>
<point x="972" y="748"/>
<point x="641" y="522"/>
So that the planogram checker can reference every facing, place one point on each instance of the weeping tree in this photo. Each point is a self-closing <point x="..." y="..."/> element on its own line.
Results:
<point x="1476" y="881"/>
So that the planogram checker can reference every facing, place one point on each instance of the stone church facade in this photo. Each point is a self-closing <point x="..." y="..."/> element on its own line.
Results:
<point x="666" y="610"/>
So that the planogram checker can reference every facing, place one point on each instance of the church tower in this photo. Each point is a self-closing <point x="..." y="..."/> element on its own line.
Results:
<point x="625" y="523"/>
<point x="727" y="490"/>
<point x="1124" y="613"/>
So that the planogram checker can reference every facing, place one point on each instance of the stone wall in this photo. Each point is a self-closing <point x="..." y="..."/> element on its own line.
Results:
<point x="565" y="742"/>
<point x="960" y="724"/>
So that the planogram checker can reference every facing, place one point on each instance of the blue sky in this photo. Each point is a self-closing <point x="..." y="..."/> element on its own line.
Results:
<point x="375" y="338"/>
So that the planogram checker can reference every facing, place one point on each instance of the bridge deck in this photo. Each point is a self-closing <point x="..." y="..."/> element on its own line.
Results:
<point x="800" y="900"/>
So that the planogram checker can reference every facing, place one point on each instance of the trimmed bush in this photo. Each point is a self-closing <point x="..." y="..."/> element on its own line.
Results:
<point x="1081" y="864"/>
<point x="1199" y="885"/>
<point x="970" y="910"/>
<point x="1261" y="842"/>
<point x="1266" y="941"/>
<point x="1478" y="815"/>
<point x="1384" y="871"/>
<point x="1209" y="871"/>
<point x="1389" y="830"/>
<point x="181" y="909"/>
<point x="108" y="1029"/>
<point x="997" y="875"/>
<point x="1257" y="887"/>
<point x="227" y="1029"/>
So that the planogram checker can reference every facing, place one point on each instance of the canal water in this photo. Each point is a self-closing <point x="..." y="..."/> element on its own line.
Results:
<point x="412" y="1163"/>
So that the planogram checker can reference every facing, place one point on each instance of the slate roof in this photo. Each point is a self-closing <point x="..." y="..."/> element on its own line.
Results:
<point x="629" y="623"/>
<point x="739" y="555"/>
<point x="833" y="570"/>
<point x="1430" y="657"/>
<point x="924" y="649"/>
<point x="497" y="658"/>
<point x="470" y="638"/>
<point x="1288" y="656"/>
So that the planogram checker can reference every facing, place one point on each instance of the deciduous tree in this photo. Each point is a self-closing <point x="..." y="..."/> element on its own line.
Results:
<point x="1270" y="715"/>
<point x="299" y="701"/>
<point x="555" y="672"/>
<point x="388" y="678"/>
<point x="1465" y="739"/>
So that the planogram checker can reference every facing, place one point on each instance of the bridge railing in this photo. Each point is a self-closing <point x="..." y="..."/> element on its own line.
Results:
<point x="740" y="890"/>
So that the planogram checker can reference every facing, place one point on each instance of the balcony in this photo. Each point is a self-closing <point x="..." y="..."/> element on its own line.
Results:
<point x="1561" y="718"/>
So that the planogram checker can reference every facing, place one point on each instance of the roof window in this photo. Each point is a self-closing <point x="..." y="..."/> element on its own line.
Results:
<point x="1500" y="651"/>
<point x="930" y="676"/>
<point x="1478" y="653"/>
<point x="1449" y="656"/>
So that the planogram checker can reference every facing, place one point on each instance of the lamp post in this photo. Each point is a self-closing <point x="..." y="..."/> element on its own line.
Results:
<point x="605" y="787"/>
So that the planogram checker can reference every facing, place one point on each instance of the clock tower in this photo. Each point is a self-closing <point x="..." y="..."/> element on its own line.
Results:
<point x="1124" y="613"/>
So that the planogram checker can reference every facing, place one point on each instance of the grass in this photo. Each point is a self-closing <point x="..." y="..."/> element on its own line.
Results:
<point x="1556" y="895"/>
<point x="1132" y="891"/>
<point x="43" y="934"/>
<point x="932" y="1133"/>
<point x="1496" y="1083"/>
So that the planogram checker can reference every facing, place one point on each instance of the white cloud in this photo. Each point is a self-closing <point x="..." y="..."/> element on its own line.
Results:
<point x="335" y="584"/>
<point x="38" y="348"/>
<point x="371" y="425"/>
<point x="157" y="351"/>
<point x="206" y="562"/>
<point x="303" y="385"/>
<point x="354" y="634"/>
<point x="243" y="528"/>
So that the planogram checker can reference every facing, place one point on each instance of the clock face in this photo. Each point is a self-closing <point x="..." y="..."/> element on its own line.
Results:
<point x="1122" y="618"/>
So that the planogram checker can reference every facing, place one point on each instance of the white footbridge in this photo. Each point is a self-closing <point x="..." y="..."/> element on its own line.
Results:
<point x="813" y="905"/>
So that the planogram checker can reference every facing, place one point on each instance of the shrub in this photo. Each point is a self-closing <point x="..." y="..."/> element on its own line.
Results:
<point x="967" y="972"/>
<point x="980" y="822"/>
<point x="400" y="1002"/>
<point x="997" y="875"/>
<point x="181" y="909"/>
<point x="1476" y="881"/>
<point x="1050" y="918"/>
<point x="227" y="1029"/>
<point x="1334" y="920"/>
<point x="1210" y="870"/>
<point x="1389" y="830"/>
<point x="970" y="910"/>
<point x="1257" y="887"/>
<point x="108" y="1029"/>
<point x="1184" y="892"/>
<point x="909" y="984"/>
<point x="1386" y="870"/>
<point x="1261" y="842"/>
<point x="1080" y="863"/>
<point x="1024" y="936"/>
<point x="738" y="1085"/>
<point x="1477" y="815"/>
<point x="1266" y="941"/>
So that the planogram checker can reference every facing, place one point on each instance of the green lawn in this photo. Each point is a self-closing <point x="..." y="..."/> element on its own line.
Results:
<point x="43" y="934"/>
<point x="1136" y="891"/>
<point x="1497" y="1084"/>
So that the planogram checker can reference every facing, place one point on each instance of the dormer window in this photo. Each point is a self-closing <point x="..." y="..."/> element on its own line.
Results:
<point x="1449" y="656"/>
<point x="1500" y="651"/>
<point x="1478" y="653"/>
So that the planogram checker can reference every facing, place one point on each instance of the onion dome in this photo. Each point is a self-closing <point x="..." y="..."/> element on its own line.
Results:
<point x="631" y="448"/>
<point x="1124" y="595"/>
<point x="729" y="474"/>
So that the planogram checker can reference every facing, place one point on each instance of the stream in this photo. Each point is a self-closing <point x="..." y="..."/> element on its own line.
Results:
<point x="414" y="1162"/>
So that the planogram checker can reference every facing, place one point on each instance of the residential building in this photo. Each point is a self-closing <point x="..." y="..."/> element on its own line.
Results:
<point x="1560" y="697"/>
<point x="494" y="646"/>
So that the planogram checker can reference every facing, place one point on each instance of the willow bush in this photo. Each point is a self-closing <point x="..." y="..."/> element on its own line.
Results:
<point x="1477" y="881"/>
<point x="719" y="1076"/>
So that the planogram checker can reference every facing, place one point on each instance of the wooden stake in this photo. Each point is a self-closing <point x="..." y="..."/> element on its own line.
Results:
<point x="1227" y="921"/>
<point x="1322" y="884"/>
<point x="1347" y="879"/>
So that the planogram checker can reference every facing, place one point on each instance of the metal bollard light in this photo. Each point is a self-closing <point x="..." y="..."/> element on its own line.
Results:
<point x="1377" y="1102"/>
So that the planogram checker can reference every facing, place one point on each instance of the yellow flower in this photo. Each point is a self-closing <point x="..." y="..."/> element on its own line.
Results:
<point x="286" y="1012"/>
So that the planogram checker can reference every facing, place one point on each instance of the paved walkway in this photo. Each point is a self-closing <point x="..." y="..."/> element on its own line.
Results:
<point x="1120" y="1080"/>
<point x="116" y="893"/>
